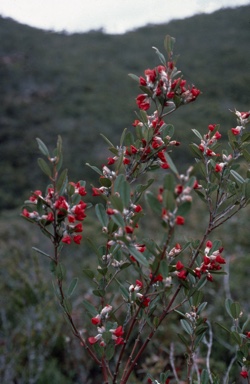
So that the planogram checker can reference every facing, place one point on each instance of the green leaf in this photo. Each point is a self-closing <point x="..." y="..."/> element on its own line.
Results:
<point x="171" y="164"/>
<point x="160" y="56"/>
<point x="223" y="327"/>
<point x="196" y="152"/>
<point x="125" y="193"/>
<point x="186" y="326"/>
<point x="246" y="190"/>
<point x="109" y="351"/>
<point x="60" y="271"/>
<point x="72" y="286"/>
<point x="235" y="337"/>
<point x="90" y="308"/>
<point x="246" y="154"/>
<point x="89" y="273"/>
<point x="235" y="310"/>
<point x="169" y="45"/>
<point x="167" y="130"/>
<point x="129" y="139"/>
<point x="196" y="298"/>
<point x="134" y="77"/>
<point x="137" y="255"/>
<point x="237" y="176"/>
<point x="184" y="340"/>
<point x="201" y="308"/>
<point x="42" y="147"/>
<point x="99" y="292"/>
<point x="62" y="182"/>
<point x="184" y="208"/>
<point x="204" y="377"/>
<point x="44" y="166"/>
<point x="164" y="268"/>
<point x="143" y="187"/>
<point x="228" y="303"/>
<point x="245" y="137"/>
<point x="116" y="202"/>
<point x="94" y="168"/>
<point x="101" y="215"/>
<point x="107" y="140"/>
<point x="168" y="200"/>
<point x="123" y="136"/>
<point x="197" y="133"/>
<point x="67" y="305"/>
<point x="118" y="219"/>
<point x="124" y="291"/>
<point x="169" y="182"/>
<point x="105" y="182"/>
<point x="154" y="203"/>
<point x="41" y="252"/>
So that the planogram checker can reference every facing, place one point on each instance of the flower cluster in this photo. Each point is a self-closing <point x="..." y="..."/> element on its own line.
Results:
<point x="67" y="216"/>
<point x="209" y="140"/>
<point x="243" y="118"/>
<point x="160" y="83"/>
<point x="105" y="333"/>
<point x="212" y="261"/>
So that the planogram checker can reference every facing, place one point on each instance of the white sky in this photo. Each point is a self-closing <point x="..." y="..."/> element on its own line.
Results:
<point x="114" y="16"/>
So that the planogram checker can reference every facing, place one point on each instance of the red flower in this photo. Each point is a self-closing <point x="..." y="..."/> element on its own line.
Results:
<point x="150" y="75"/>
<point x="111" y="160"/>
<point x="143" y="102"/>
<point x="217" y="135"/>
<point x="146" y="302"/>
<point x="96" y="320"/>
<point x="244" y="374"/>
<point x="126" y="160"/>
<point x="218" y="168"/>
<point x="119" y="341"/>
<point x="77" y="239"/>
<point x="236" y="131"/>
<point x="142" y="81"/>
<point x="211" y="127"/>
<point x="66" y="239"/>
<point x="138" y="208"/>
<point x="220" y="259"/>
<point x="179" y="220"/>
<point x="78" y="227"/>
<point x="34" y="196"/>
<point x="96" y="192"/>
<point x="110" y="211"/>
<point x="92" y="340"/>
<point x="118" y="331"/>
<point x="179" y="265"/>
<point x="182" y="274"/>
<point x="129" y="229"/>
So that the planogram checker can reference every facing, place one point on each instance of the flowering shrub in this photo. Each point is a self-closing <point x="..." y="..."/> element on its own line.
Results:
<point x="139" y="281"/>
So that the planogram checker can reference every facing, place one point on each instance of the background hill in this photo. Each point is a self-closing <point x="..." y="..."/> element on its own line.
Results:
<point x="77" y="86"/>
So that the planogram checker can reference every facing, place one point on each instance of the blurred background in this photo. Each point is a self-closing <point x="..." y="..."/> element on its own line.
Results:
<point x="76" y="84"/>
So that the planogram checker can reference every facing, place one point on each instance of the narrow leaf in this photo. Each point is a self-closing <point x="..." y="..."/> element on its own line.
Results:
<point x="42" y="147"/>
<point x="44" y="166"/>
<point x="237" y="176"/>
<point x="137" y="255"/>
<point x="90" y="308"/>
<point x="72" y="286"/>
<point x="101" y="215"/>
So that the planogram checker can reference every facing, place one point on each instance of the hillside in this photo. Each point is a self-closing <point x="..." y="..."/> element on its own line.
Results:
<point x="77" y="86"/>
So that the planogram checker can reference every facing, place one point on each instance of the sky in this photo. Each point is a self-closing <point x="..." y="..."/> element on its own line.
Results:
<point x="113" y="16"/>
